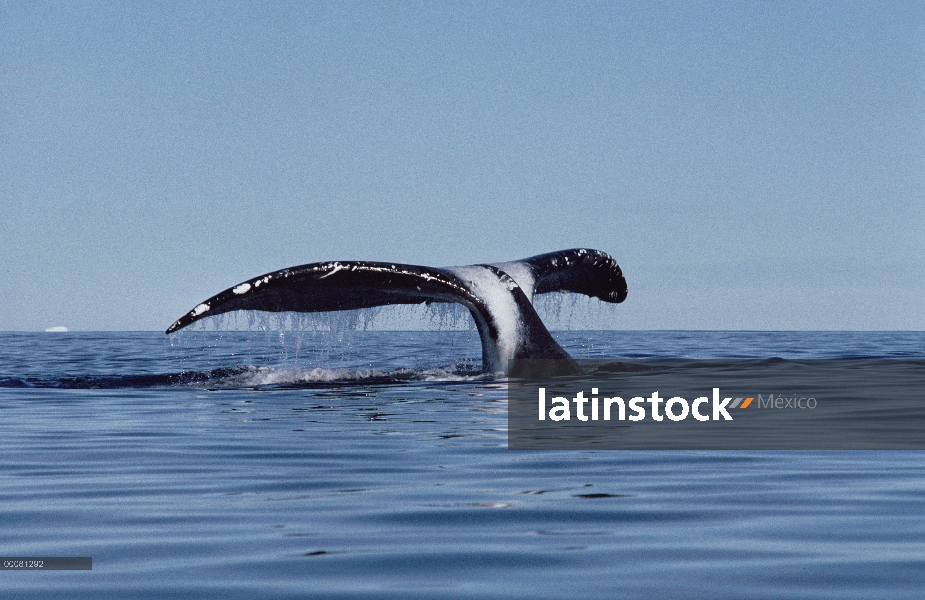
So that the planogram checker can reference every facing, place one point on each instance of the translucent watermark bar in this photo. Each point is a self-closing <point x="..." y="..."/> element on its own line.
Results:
<point x="769" y="404"/>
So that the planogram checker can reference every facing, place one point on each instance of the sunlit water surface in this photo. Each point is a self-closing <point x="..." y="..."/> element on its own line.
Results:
<point x="260" y="464"/>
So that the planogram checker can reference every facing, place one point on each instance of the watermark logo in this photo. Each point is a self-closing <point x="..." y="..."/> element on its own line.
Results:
<point x="734" y="404"/>
<point x="676" y="408"/>
<point x="559" y="408"/>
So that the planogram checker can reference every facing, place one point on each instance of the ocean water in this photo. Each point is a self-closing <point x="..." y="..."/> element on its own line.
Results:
<point x="375" y="465"/>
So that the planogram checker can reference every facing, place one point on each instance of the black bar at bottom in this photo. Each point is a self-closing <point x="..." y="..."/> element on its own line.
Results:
<point x="47" y="563"/>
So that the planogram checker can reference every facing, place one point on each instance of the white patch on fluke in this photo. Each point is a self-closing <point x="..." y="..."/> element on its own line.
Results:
<point x="200" y="309"/>
<point x="57" y="329"/>
<point x="335" y="267"/>
<point x="497" y="296"/>
<point x="522" y="274"/>
<point x="241" y="289"/>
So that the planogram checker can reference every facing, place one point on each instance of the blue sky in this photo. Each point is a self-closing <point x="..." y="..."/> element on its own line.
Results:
<point x="750" y="165"/>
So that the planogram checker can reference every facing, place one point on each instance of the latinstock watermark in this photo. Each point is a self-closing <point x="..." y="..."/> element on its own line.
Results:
<point x="691" y="404"/>
<point x="559" y="409"/>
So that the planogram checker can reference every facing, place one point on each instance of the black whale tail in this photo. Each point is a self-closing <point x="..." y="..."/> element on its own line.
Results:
<point x="498" y="296"/>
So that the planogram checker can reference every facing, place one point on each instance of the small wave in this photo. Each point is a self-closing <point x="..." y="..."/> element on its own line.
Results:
<point x="294" y="378"/>
<point x="246" y="377"/>
<point x="105" y="382"/>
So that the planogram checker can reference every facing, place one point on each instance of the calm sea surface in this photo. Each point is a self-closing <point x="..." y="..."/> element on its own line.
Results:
<point x="251" y="464"/>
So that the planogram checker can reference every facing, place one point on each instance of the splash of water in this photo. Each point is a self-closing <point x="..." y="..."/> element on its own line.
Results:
<point x="340" y="340"/>
<point x="573" y="312"/>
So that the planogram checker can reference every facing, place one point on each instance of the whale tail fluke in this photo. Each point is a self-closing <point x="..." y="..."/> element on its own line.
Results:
<point x="498" y="296"/>
<point x="580" y="271"/>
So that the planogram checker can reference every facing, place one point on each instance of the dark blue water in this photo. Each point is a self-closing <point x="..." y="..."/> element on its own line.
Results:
<point x="255" y="465"/>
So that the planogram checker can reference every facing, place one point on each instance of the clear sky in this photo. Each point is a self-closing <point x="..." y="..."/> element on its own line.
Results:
<point x="750" y="165"/>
